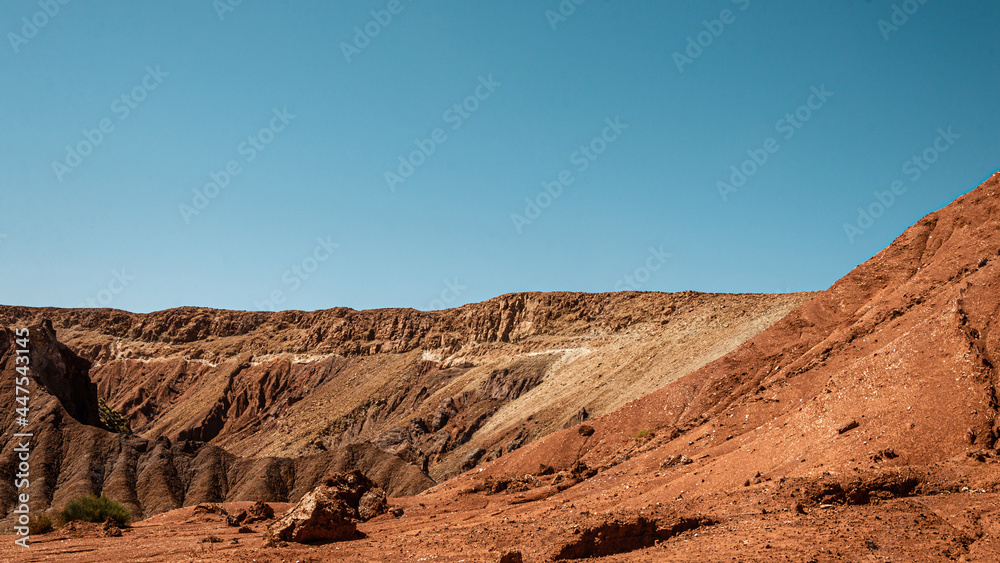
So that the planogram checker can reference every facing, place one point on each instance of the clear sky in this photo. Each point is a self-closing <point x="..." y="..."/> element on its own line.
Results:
<point x="305" y="154"/>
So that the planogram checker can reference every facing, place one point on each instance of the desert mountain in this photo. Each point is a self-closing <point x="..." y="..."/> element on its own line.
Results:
<point x="234" y="406"/>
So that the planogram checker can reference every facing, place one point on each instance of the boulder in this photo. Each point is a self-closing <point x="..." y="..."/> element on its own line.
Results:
<point x="317" y="517"/>
<point x="259" y="512"/>
<point x="331" y="511"/>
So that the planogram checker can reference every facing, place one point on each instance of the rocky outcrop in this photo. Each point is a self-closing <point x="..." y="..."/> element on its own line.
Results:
<point x="347" y="332"/>
<point x="57" y="372"/>
<point x="258" y="512"/>
<point x="332" y="511"/>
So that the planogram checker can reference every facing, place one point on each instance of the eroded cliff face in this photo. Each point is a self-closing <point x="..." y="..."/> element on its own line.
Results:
<point x="444" y="390"/>
<point x="72" y="453"/>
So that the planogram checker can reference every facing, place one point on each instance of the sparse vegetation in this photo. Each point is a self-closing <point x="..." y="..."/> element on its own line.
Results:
<point x="40" y="524"/>
<point x="112" y="418"/>
<point x="643" y="434"/>
<point x="94" y="509"/>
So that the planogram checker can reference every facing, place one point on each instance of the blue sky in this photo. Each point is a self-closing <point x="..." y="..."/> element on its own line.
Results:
<point x="692" y="91"/>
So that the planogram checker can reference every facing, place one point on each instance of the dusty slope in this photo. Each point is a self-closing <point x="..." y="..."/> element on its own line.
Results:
<point x="905" y="344"/>
<point x="443" y="389"/>
<point x="862" y="427"/>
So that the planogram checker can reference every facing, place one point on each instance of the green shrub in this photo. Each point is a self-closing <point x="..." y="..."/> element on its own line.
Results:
<point x="40" y="524"/>
<point x="642" y="434"/>
<point x="112" y="418"/>
<point x="93" y="509"/>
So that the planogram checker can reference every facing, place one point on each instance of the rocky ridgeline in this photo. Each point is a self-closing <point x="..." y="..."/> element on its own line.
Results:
<point x="216" y="335"/>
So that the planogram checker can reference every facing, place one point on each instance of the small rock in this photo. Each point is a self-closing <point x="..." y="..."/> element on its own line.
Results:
<point x="397" y="512"/>
<point x="580" y="470"/>
<point x="512" y="557"/>
<point x="270" y="541"/>
<point x="472" y="459"/>
<point x="585" y="430"/>
<point x="887" y="453"/>
<point x="848" y="427"/>
<point x="259" y="512"/>
<point x="209" y="508"/>
<point x="110" y="530"/>
<point x="245" y="530"/>
<point x="979" y="455"/>
<point x="673" y="460"/>
<point x="211" y="539"/>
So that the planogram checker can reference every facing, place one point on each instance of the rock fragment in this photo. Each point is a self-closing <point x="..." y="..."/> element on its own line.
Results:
<point x="848" y="427"/>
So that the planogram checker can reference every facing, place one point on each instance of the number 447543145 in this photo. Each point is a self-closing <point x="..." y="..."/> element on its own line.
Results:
<point x="23" y="367"/>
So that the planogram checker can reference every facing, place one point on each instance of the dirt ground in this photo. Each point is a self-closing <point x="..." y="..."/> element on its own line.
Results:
<point x="625" y="515"/>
